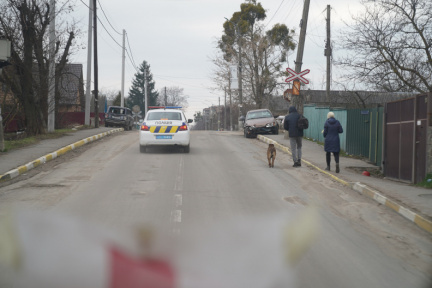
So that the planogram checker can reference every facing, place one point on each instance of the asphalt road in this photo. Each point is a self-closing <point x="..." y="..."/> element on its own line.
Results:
<point x="224" y="194"/>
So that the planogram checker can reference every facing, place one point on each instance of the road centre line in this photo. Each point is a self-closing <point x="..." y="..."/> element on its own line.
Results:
<point x="178" y="199"/>
<point x="178" y="186"/>
<point x="176" y="216"/>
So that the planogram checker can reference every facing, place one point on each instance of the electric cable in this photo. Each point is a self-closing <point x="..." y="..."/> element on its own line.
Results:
<point x="274" y="14"/>
<point x="100" y="5"/>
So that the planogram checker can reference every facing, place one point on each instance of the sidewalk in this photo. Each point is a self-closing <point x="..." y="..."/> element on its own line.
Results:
<point x="414" y="203"/>
<point x="46" y="150"/>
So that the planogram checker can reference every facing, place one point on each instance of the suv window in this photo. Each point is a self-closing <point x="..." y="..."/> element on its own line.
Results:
<point x="164" y="116"/>
<point x="117" y="110"/>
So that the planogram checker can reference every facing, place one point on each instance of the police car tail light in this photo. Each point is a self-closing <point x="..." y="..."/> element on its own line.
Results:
<point x="183" y="127"/>
<point x="144" y="127"/>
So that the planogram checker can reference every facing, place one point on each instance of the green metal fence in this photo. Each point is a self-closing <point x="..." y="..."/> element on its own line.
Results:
<point x="317" y="117"/>
<point x="363" y="129"/>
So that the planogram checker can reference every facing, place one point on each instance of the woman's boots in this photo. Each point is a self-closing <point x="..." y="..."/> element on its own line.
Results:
<point x="337" y="168"/>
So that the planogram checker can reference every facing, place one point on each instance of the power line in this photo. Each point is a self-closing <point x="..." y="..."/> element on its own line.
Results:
<point x="130" y="49"/>
<point x="134" y="66"/>
<point x="132" y="62"/>
<point x="100" y="5"/>
<point x="274" y="13"/>
<point x="103" y="25"/>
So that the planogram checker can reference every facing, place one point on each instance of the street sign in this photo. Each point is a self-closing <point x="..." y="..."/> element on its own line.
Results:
<point x="296" y="87"/>
<point x="233" y="78"/>
<point x="287" y="94"/>
<point x="299" y="76"/>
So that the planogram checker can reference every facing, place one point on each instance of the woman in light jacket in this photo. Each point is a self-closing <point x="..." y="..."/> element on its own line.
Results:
<point x="332" y="129"/>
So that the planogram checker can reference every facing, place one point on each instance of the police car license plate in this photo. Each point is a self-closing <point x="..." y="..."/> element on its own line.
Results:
<point x="163" y="136"/>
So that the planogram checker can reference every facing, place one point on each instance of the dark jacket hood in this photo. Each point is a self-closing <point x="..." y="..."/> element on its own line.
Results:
<point x="292" y="109"/>
<point x="331" y="120"/>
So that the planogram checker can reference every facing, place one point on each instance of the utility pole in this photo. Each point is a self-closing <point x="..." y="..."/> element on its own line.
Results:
<point x="145" y="92"/>
<point x="296" y="98"/>
<point x="165" y="97"/>
<point x="2" y="144"/>
<point x="123" y="69"/>
<point x="240" y="75"/>
<point x="231" y="123"/>
<point x="218" y="113"/>
<point x="225" y="110"/>
<point x="89" y="52"/>
<point x="96" y="104"/>
<point x="328" y="54"/>
<point x="51" y="91"/>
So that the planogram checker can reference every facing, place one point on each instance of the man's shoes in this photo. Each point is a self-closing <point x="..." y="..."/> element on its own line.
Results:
<point x="337" y="168"/>
<point x="299" y="162"/>
<point x="296" y="164"/>
<point x="327" y="168"/>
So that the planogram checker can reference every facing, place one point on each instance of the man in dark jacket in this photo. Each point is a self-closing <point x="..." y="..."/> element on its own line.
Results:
<point x="295" y="135"/>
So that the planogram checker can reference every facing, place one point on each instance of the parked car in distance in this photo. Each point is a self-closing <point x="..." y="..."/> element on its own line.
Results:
<point x="119" y="116"/>
<point x="165" y="127"/>
<point x="260" y="121"/>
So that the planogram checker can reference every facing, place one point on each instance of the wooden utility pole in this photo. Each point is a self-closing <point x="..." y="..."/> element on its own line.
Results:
<point x="2" y="143"/>
<point x="96" y="104"/>
<point x="123" y="70"/>
<point x="51" y="91"/>
<point x="328" y="54"/>
<point x="224" y="126"/>
<point x="145" y="91"/>
<point x="240" y="83"/>
<point x="297" y="100"/>
<point x="88" y="81"/>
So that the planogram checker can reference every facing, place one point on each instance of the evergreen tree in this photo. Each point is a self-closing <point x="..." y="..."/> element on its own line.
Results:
<point x="136" y="92"/>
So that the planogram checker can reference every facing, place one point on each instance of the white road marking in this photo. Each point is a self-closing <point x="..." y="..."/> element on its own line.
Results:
<point x="176" y="216"/>
<point x="178" y="199"/>
<point x="178" y="186"/>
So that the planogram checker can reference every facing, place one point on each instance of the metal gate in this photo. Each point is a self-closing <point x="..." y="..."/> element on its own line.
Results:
<point x="406" y="139"/>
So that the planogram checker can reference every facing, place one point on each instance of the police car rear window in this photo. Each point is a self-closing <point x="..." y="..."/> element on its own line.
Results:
<point x="164" y="116"/>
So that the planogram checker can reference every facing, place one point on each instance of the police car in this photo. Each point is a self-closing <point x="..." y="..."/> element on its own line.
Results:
<point x="165" y="126"/>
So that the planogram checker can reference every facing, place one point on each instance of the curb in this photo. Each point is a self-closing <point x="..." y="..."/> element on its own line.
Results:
<point x="364" y="190"/>
<point x="42" y="160"/>
<point x="412" y="216"/>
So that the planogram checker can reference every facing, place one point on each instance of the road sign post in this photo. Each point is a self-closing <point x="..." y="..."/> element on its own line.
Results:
<point x="296" y="78"/>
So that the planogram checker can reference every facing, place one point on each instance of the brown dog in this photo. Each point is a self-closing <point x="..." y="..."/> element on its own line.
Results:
<point x="271" y="155"/>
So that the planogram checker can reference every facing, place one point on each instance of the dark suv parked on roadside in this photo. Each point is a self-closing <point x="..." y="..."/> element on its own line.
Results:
<point x="119" y="116"/>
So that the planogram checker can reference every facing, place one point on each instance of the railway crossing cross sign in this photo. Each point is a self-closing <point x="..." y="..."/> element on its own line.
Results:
<point x="299" y="76"/>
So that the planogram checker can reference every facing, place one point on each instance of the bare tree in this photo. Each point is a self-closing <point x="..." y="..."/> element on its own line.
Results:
<point x="175" y="97"/>
<point x="390" y="46"/>
<point x="25" y="23"/>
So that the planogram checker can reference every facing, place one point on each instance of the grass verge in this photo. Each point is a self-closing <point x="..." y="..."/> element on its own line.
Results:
<point x="426" y="183"/>
<point x="14" y="144"/>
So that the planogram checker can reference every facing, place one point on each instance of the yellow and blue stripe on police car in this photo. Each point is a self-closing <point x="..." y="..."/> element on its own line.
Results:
<point x="164" y="129"/>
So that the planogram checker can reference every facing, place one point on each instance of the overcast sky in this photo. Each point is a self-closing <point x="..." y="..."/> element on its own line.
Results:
<point x="178" y="38"/>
